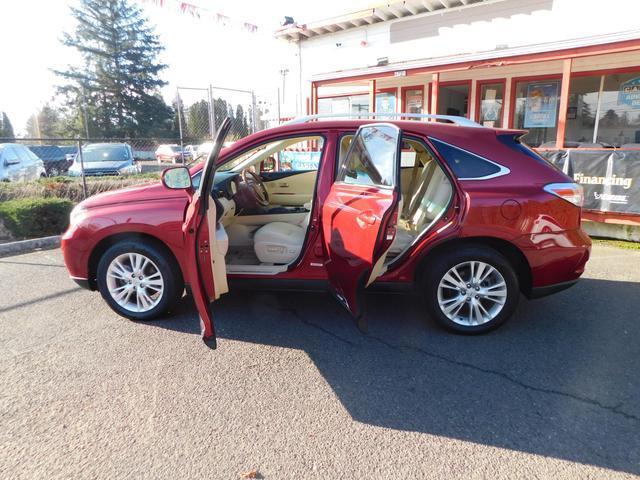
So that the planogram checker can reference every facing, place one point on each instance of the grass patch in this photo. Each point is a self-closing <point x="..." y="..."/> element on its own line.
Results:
<point x="616" y="243"/>
<point x="35" y="217"/>
<point x="70" y="188"/>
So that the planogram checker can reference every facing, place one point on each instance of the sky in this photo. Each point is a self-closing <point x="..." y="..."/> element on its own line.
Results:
<point x="198" y="52"/>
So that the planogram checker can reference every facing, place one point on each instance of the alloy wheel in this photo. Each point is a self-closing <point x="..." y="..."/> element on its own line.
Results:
<point x="134" y="281"/>
<point x="472" y="293"/>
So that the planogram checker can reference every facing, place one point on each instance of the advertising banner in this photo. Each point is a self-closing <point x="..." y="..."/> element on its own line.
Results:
<point x="385" y="103"/>
<point x="541" y="106"/>
<point x="291" y="160"/>
<point x="629" y="93"/>
<point x="610" y="179"/>
<point x="413" y="102"/>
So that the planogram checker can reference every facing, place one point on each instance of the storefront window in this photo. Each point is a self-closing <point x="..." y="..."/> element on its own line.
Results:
<point x="453" y="100"/>
<point x="359" y="103"/>
<point x="348" y="104"/>
<point x="385" y="102"/>
<point x="610" y="119"/>
<point x="491" y="101"/>
<point x="582" y="108"/>
<point x="413" y="100"/>
<point x="536" y="110"/>
<point x="619" y="120"/>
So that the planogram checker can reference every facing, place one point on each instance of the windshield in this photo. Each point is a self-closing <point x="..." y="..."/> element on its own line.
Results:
<point x="105" y="153"/>
<point x="175" y="148"/>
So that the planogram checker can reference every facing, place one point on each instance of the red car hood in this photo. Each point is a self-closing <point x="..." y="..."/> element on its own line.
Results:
<point x="152" y="191"/>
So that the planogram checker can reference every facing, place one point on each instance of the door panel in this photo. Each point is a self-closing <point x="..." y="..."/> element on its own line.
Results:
<point x="360" y="212"/>
<point x="293" y="189"/>
<point x="205" y="262"/>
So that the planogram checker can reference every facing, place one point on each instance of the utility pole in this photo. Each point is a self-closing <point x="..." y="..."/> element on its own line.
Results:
<point x="84" y="114"/>
<point x="212" y="112"/>
<point x="283" y="72"/>
<point x="179" y="104"/>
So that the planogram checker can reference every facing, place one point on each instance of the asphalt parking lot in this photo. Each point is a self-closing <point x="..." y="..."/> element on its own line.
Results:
<point x="295" y="391"/>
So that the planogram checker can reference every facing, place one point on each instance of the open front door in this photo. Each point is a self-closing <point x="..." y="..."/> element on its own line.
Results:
<point x="360" y="213"/>
<point x="206" y="269"/>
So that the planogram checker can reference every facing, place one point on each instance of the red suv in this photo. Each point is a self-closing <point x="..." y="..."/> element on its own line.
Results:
<point x="467" y="216"/>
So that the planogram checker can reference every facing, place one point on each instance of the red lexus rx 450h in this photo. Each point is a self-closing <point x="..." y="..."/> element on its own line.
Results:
<point x="467" y="217"/>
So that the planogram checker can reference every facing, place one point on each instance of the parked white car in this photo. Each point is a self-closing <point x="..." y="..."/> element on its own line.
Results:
<point x="204" y="149"/>
<point x="19" y="164"/>
<point x="191" y="152"/>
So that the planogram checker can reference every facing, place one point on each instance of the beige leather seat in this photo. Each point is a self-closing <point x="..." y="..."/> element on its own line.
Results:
<point x="280" y="242"/>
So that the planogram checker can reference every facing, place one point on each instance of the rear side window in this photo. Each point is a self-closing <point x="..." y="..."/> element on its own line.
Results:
<point x="515" y="144"/>
<point x="467" y="165"/>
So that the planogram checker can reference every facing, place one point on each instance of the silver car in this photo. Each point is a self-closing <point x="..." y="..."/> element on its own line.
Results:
<point x="105" y="159"/>
<point x="19" y="164"/>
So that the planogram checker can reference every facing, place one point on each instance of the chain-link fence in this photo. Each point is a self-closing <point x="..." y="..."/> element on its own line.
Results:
<point x="77" y="168"/>
<point x="201" y="110"/>
<point x="91" y="165"/>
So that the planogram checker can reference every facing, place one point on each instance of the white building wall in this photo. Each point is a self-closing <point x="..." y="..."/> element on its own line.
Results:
<point x="466" y="30"/>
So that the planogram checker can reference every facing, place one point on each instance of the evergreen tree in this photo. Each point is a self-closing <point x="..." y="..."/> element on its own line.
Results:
<point x="198" y="120"/>
<point x="242" y="126"/>
<point x="220" y="111"/>
<point x="119" y="78"/>
<point x="46" y="123"/>
<point x="6" y="129"/>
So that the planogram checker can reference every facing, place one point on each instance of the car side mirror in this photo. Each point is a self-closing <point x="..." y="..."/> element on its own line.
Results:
<point x="177" y="178"/>
<point x="11" y="161"/>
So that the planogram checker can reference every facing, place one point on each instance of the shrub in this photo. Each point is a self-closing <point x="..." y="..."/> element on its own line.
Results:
<point x="71" y="188"/>
<point x="36" y="217"/>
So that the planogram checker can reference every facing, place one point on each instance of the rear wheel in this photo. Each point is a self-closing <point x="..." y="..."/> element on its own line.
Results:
<point x="471" y="290"/>
<point x="138" y="280"/>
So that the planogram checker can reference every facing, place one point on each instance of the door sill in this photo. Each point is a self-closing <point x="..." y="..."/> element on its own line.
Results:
<point x="256" y="269"/>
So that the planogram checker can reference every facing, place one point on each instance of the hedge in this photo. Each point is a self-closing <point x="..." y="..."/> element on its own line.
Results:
<point x="36" y="217"/>
<point x="71" y="188"/>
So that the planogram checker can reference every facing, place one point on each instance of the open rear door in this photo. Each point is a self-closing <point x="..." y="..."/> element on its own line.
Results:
<point x="360" y="213"/>
<point x="206" y="269"/>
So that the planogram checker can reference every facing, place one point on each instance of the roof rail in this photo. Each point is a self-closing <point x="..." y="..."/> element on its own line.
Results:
<point x="462" y="121"/>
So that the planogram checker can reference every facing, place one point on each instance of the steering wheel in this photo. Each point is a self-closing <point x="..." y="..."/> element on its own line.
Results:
<point x="256" y="187"/>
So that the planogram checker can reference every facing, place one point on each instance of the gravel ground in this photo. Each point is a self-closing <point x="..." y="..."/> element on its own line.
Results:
<point x="295" y="391"/>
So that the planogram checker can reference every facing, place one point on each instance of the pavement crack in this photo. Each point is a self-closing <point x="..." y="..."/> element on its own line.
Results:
<point x="617" y="409"/>
<point x="326" y="331"/>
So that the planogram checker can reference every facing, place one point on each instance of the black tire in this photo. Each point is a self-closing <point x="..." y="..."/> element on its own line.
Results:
<point x="436" y="269"/>
<point x="167" y="266"/>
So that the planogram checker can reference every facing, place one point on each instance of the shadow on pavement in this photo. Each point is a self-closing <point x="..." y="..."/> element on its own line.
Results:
<point x="559" y="379"/>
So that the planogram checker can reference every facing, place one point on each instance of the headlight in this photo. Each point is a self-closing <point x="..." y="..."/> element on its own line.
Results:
<point x="77" y="214"/>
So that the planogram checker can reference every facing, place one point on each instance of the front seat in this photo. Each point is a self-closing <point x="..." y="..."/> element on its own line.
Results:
<point x="280" y="242"/>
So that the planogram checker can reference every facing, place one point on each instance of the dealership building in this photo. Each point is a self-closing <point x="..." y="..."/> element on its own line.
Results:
<point x="568" y="71"/>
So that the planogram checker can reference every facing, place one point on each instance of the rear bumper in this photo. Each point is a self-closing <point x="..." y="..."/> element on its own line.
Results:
<point x="556" y="259"/>
<point x="539" y="292"/>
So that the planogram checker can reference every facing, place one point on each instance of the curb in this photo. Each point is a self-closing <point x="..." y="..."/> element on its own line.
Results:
<point x="25" y="246"/>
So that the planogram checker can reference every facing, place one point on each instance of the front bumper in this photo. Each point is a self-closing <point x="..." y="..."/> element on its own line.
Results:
<point x="74" y="245"/>
<point x="82" y="282"/>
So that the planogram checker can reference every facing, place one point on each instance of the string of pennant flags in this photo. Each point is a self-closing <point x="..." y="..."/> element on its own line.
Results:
<point x="204" y="14"/>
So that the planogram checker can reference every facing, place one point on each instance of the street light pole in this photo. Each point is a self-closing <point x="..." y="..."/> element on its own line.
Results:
<point x="283" y="72"/>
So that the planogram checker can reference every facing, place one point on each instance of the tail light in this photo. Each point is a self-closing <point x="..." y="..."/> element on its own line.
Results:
<point x="571" y="192"/>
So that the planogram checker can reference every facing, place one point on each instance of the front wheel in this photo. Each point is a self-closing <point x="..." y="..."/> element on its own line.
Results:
<point x="471" y="290"/>
<point x="138" y="280"/>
